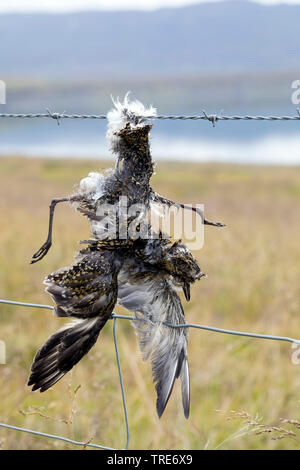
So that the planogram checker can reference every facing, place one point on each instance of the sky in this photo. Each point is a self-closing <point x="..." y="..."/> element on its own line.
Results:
<point x="71" y="5"/>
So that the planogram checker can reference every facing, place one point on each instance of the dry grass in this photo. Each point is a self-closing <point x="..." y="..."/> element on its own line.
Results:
<point x="253" y="268"/>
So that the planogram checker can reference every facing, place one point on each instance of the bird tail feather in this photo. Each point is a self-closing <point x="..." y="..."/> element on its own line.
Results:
<point x="167" y="348"/>
<point x="63" y="350"/>
<point x="155" y="303"/>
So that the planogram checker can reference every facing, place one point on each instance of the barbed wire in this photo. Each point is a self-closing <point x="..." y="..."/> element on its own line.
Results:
<point x="115" y="317"/>
<point x="213" y="118"/>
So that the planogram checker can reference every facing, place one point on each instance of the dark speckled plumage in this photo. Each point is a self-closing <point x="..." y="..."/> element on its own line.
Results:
<point x="142" y="275"/>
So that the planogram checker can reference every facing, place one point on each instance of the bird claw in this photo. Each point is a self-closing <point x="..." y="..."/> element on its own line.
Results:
<point x="219" y="224"/>
<point x="214" y="224"/>
<point x="41" y="252"/>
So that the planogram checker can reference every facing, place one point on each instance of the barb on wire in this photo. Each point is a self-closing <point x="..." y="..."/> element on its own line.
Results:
<point x="114" y="317"/>
<point x="56" y="116"/>
<point x="213" y="118"/>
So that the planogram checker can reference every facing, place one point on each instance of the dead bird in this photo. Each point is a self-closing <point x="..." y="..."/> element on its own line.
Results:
<point x="141" y="274"/>
<point x="128" y="134"/>
<point x="142" y="278"/>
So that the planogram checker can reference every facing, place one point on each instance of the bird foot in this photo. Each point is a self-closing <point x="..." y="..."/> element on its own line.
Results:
<point x="215" y="224"/>
<point x="41" y="252"/>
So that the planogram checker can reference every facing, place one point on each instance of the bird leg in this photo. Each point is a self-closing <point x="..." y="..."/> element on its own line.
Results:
<point x="168" y="202"/>
<point x="204" y="220"/>
<point x="47" y="245"/>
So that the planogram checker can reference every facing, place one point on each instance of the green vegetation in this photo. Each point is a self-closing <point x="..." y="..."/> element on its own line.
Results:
<point x="253" y="268"/>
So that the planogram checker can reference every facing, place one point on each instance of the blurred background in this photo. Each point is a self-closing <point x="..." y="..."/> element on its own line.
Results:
<point x="182" y="57"/>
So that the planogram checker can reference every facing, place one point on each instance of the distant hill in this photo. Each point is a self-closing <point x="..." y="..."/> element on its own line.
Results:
<point x="224" y="37"/>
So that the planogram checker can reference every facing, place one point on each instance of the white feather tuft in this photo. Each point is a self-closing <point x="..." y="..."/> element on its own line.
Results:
<point x="92" y="185"/>
<point x="132" y="112"/>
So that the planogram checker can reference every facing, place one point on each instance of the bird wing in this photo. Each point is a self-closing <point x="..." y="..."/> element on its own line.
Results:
<point x="87" y="288"/>
<point x="87" y="291"/>
<point x="155" y="302"/>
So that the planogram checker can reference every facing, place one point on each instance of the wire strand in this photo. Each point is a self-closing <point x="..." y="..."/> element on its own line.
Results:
<point x="71" y="441"/>
<point x="53" y="436"/>
<point x="115" y="317"/>
<point x="184" y="325"/>
<point x="213" y="118"/>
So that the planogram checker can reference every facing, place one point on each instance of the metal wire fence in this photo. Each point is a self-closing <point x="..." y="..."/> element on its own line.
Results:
<point x="115" y="317"/>
<point x="213" y="118"/>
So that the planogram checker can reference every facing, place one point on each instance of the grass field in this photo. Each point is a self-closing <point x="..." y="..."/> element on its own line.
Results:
<point x="253" y="268"/>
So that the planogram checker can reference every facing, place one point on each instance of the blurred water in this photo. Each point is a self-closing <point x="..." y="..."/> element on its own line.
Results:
<point x="243" y="142"/>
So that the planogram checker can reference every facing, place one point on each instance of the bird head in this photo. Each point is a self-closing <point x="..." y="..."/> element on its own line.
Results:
<point x="183" y="267"/>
